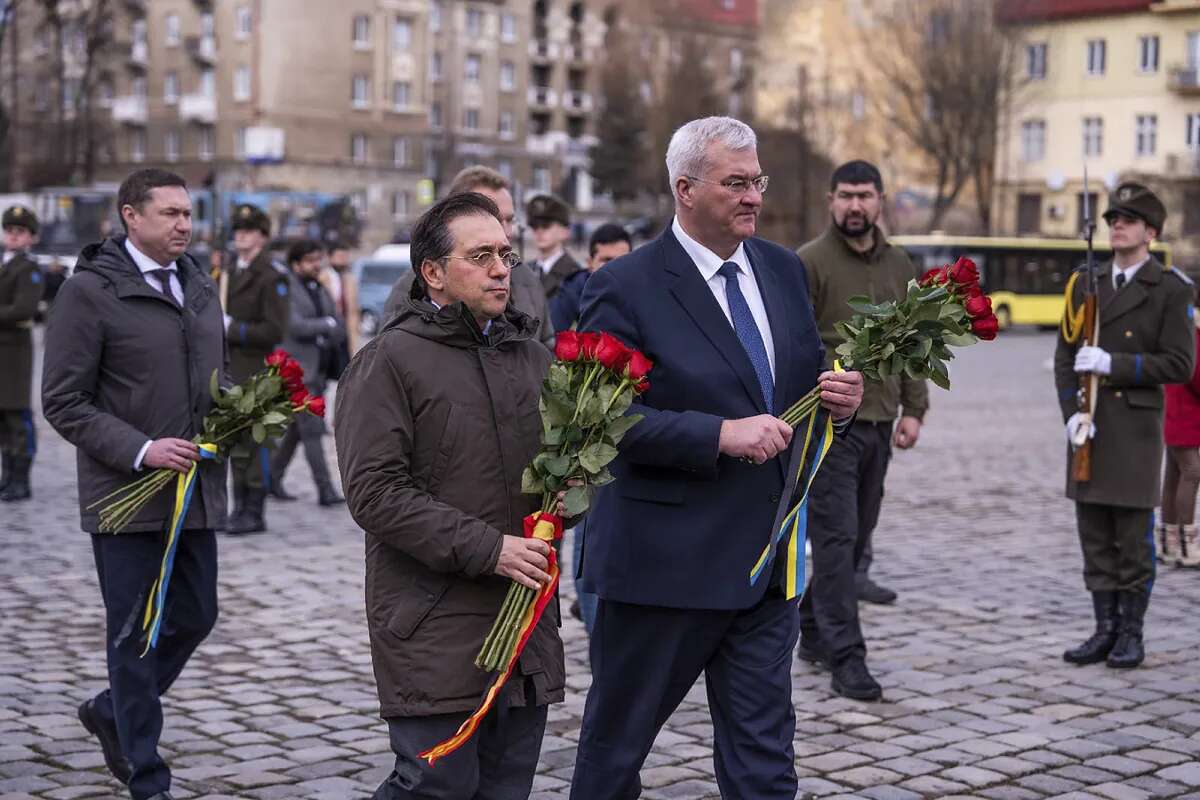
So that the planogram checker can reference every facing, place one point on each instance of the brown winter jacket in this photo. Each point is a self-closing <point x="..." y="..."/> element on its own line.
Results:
<point x="435" y="424"/>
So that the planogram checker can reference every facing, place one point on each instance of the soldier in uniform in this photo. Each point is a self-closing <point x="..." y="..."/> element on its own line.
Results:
<point x="550" y="220"/>
<point x="1145" y="341"/>
<point x="256" y="322"/>
<point x="20" y="291"/>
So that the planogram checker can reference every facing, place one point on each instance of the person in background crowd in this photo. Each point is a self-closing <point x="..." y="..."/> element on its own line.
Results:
<point x="130" y="344"/>
<point x="315" y="336"/>
<point x="549" y="218"/>
<point x="53" y="277"/>
<point x="1146" y="340"/>
<point x="256" y="322"/>
<point x="1179" y="544"/>
<point x="609" y="241"/>
<point x="342" y="286"/>
<point x="20" y="293"/>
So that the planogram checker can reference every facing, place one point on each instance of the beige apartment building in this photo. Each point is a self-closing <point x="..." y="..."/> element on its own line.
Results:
<point x="1114" y="84"/>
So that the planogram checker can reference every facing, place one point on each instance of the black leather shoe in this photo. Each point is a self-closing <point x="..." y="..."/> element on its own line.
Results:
<point x="328" y="496"/>
<point x="871" y="592"/>
<point x="852" y="679"/>
<point x="1128" y="651"/>
<point x="575" y="611"/>
<point x="109" y="744"/>
<point x="279" y="492"/>
<point x="162" y="796"/>
<point x="1100" y="643"/>
<point x="251" y="518"/>
<point x="812" y="653"/>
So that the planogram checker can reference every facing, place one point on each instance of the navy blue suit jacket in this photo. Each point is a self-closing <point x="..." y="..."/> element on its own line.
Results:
<point x="682" y="525"/>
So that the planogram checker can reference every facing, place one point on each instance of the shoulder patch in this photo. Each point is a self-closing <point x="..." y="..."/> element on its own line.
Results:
<point x="281" y="289"/>
<point x="1181" y="275"/>
<point x="280" y="268"/>
<point x="35" y="277"/>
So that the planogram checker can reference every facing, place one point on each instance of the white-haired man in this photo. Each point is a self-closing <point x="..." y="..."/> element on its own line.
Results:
<point x="727" y="319"/>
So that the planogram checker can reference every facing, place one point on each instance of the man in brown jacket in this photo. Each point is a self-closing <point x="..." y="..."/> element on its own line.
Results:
<point x="438" y="416"/>
<point x="20" y="291"/>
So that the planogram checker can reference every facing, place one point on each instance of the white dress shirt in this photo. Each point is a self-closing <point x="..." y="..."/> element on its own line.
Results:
<point x="1129" y="272"/>
<point x="709" y="264"/>
<point x="549" y="263"/>
<point x="9" y="255"/>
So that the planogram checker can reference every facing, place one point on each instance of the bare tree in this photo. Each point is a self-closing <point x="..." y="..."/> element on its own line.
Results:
<point x="619" y="157"/>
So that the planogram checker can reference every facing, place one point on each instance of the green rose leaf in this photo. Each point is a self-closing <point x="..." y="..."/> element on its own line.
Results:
<point x="575" y="502"/>
<point x="602" y="478"/>
<point x="597" y="456"/>
<point x="274" y="418"/>
<point x="960" y="340"/>
<point x="259" y="432"/>
<point x="552" y="437"/>
<point x="559" y="378"/>
<point x="558" y="465"/>
<point x="531" y="482"/>
<point x="621" y="425"/>
<point x="214" y="387"/>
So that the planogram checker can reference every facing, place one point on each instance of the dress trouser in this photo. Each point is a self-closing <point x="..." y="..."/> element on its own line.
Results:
<point x="1118" y="547"/>
<point x="18" y="436"/>
<point x="308" y="430"/>
<point x="497" y="763"/>
<point x="844" y="506"/>
<point x="252" y="471"/>
<point x="645" y="659"/>
<point x="127" y="565"/>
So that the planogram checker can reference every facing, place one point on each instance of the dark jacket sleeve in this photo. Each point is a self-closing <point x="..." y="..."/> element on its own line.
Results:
<point x="678" y="439"/>
<point x="564" y="306"/>
<point x="374" y="438"/>
<point x="74" y="346"/>
<point x="269" y="331"/>
<point x="25" y="300"/>
<point x="1173" y="361"/>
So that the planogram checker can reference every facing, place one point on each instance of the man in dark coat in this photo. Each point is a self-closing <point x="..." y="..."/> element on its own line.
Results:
<point x="20" y="291"/>
<point x="256" y="322"/>
<point x="1146" y="340"/>
<point x="549" y="218"/>
<point x="131" y="347"/>
<point x="315" y="337"/>
<point x="438" y="416"/>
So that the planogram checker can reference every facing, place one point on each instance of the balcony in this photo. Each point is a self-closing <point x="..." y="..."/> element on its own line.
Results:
<point x="577" y="102"/>
<point x="203" y="49"/>
<point x="264" y="145"/>
<point x="137" y="6"/>
<point x="1184" y="165"/>
<point x="139" y="54"/>
<point x="543" y="145"/>
<point x="577" y="53"/>
<point x="542" y="97"/>
<point x="198" y="108"/>
<point x="1184" y="78"/>
<point x="130" y="110"/>
<point x="542" y="51"/>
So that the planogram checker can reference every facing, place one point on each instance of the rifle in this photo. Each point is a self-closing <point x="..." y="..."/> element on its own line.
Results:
<point x="1081" y="458"/>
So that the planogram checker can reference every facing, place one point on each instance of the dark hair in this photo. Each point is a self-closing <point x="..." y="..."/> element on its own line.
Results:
<point x="608" y="233"/>
<point x="478" y="177"/>
<point x="135" y="190"/>
<point x="335" y="246"/>
<point x="431" y="238"/>
<point x="856" y="172"/>
<point x="302" y="248"/>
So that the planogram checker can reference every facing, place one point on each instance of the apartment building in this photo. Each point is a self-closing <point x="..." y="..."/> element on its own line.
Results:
<point x="1114" y="84"/>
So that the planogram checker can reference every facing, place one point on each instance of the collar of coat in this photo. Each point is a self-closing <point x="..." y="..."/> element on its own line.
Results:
<point x="110" y="260"/>
<point x="880" y="246"/>
<point x="455" y="326"/>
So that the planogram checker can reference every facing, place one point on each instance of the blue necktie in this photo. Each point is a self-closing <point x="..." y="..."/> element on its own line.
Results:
<point x="747" y="332"/>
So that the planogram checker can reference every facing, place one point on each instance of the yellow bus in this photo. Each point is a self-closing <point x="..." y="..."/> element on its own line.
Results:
<point x="1025" y="277"/>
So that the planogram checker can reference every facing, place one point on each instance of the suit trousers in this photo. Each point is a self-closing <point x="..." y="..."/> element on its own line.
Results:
<point x="645" y="659"/>
<point x="843" y="509"/>
<point x="497" y="763"/>
<point x="308" y="430"/>
<point x="18" y="436"/>
<point x="1118" y="547"/>
<point x="127" y="565"/>
<point x="252" y="471"/>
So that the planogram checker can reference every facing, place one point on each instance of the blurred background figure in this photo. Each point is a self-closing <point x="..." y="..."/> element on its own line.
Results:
<point x="609" y="241"/>
<point x="20" y="293"/>
<point x="549" y="218"/>
<point x="1179" y="544"/>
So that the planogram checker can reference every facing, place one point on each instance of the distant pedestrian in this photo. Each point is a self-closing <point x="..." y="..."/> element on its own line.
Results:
<point x="1179" y="544"/>
<point x="342" y="286"/>
<point x="549" y="218"/>
<point x="609" y="241"/>
<point x="20" y="294"/>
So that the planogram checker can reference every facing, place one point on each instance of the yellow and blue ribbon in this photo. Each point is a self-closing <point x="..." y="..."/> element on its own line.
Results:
<point x="157" y="601"/>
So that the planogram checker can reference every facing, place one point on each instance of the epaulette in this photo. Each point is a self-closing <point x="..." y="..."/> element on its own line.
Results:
<point x="1178" y="273"/>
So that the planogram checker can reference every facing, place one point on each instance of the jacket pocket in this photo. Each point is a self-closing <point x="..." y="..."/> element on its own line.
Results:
<point x="410" y="613"/>
<point x="668" y="491"/>
<point x="445" y="449"/>
<point x="1144" y="397"/>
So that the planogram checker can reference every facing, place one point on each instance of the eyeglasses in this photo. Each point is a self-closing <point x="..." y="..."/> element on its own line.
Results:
<point x="738" y="186"/>
<point x="484" y="259"/>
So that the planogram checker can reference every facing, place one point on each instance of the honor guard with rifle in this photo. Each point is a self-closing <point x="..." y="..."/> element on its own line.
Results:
<point x="20" y="291"/>
<point x="256" y="322"/>
<point x="1126" y="331"/>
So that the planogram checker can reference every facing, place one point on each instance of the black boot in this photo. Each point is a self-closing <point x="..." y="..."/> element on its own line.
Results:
<point x="328" y="496"/>
<point x="1128" y="652"/>
<point x="278" y="492"/>
<point x="1097" y="647"/>
<point x="239" y="501"/>
<point x="18" y="484"/>
<point x="5" y="470"/>
<point x="852" y="679"/>
<point x="251" y="518"/>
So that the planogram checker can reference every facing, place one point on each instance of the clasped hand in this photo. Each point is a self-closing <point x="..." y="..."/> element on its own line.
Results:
<point x="1093" y="360"/>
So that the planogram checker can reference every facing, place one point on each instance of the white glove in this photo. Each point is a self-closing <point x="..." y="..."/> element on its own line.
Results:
<point x="331" y="322"/>
<point x="228" y="319"/>
<point x="1094" y="360"/>
<point x="1080" y="428"/>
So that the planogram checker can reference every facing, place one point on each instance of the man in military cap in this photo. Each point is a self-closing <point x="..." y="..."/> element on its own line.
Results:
<point x="20" y="291"/>
<point x="550" y="220"/>
<point x="1145" y="340"/>
<point x="256" y="322"/>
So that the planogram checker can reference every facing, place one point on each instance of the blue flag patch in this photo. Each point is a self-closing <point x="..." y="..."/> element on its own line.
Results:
<point x="281" y="289"/>
<point x="35" y="277"/>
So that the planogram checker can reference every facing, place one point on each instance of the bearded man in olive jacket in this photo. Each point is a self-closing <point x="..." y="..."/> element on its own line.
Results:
<point x="437" y="417"/>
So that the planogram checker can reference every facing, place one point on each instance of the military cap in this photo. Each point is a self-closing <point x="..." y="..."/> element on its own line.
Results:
<point x="548" y="208"/>
<point x="1135" y="200"/>
<point x="250" y="217"/>
<point x="22" y="217"/>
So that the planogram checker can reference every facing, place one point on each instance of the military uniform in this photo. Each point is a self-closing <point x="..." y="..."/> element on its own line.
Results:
<point x="20" y="290"/>
<point x="1146" y="330"/>
<point x="548" y="208"/>
<point x="258" y="307"/>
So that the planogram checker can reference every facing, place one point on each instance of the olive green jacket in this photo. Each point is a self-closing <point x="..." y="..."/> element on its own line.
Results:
<point x="259" y="306"/>
<point x="837" y="272"/>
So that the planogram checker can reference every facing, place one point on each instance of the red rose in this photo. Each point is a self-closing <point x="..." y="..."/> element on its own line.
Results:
<point x="293" y="375"/>
<point x="933" y="276"/>
<point x="277" y="358"/>
<point x="964" y="273"/>
<point x="299" y="399"/>
<point x="978" y="307"/>
<point x="986" y="328"/>
<point x="974" y="291"/>
<point x="567" y="346"/>
<point x="316" y="406"/>
<point x="588" y="342"/>
<point x="638" y="367"/>
<point x="611" y="353"/>
<point x="641" y="387"/>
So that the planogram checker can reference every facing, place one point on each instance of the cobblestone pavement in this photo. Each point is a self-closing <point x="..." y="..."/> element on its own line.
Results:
<point x="975" y="536"/>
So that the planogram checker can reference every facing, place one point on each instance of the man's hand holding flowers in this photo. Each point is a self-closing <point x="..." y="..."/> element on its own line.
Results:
<point x="841" y="393"/>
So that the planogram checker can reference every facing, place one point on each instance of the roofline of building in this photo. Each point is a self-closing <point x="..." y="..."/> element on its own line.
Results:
<point x="1026" y="11"/>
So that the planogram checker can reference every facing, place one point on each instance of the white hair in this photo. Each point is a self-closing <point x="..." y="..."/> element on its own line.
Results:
<point x="688" y="150"/>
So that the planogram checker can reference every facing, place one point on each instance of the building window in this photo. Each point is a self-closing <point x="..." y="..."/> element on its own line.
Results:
<point x="361" y="32"/>
<point x="171" y="146"/>
<point x="137" y="146"/>
<point x="471" y="67"/>
<point x="207" y="143"/>
<point x="208" y="83"/>
<point x="1148" y="53"/>
<point x="735" y="61"/>
<point x="1096" y="51"/>
<point x="245" y="23"/>
<point x="1033" y="140"/>
<point x="358" y="148"/>
<point x="400" y="203"/>
<point x="208" y="25"/>
<point x="504" y="167"/>
<point x="360" y="91"/>
<point x="1093" y="136"/>
<point x="508" y="76"/>
<point x="541" y="178"/>
<point x="401" y="34"/>
<point x="1146" y="134"/>
<point x="435" y="16"/>
<point x="508" y="28"/>
<point x="1029" y="213"/>
<point x="401" y="156"/>
<point x="172" y="30"/>
<point x="435" y="115"/>
<point x="138" y="86"/>
<point x="470" y="119"/>
<point x="171" y="88"/>
<point x="1035" y="62"/>
<point x="239" y="143"/>
<point x="400" y="95"/>
<point x="1192" y="136"/>
<point x="435" y="66"/>
<point x="474" y="22"/>
<point x="506" y="125"/>
<point x="241" y="83"/>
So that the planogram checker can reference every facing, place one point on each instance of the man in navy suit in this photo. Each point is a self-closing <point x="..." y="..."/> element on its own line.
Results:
<point x="728" y="322"/>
